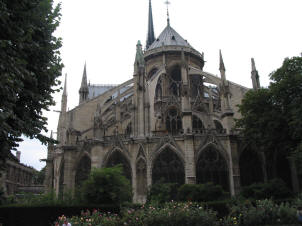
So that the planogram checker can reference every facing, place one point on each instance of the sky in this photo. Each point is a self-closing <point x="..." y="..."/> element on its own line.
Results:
<point x="105" y="33"/>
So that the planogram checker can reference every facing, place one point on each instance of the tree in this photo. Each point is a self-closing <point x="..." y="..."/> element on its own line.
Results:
<point x="30" y="65"/>
<point x="272" y="117"/>
<point x="106" y="186"/>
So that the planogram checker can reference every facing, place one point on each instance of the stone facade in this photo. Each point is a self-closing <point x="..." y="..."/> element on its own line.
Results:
<point x="171" y="122"/>
<point x="16" y="175"/>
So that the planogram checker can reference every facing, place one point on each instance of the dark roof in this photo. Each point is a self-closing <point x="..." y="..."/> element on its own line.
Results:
<point x="169" y="37"/>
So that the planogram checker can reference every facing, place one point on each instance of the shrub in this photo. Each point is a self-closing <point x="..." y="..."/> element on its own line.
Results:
<point x="169" y="214"/>
<point x="275" y="189"/>
<point x="162" y="192"/>
<point x="264" y="212"/>
<point x="106" y="186"/>
<point x="200" y="192"/>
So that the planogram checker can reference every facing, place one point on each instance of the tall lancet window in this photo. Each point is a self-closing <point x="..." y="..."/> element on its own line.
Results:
<point x="173" y="121"/>
<point x="175" y="81"/>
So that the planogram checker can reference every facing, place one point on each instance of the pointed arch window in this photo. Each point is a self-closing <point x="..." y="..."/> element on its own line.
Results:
<point x="175" y="81"/>
<point x="168" y="168"/>
<point x="218" y="126"/>
<point x="117" y="158"/>
<point x="173" y="121"/>
<point x="197" y="124"/>
<point x="83" y="170"/>
<point x="212" y="167"/>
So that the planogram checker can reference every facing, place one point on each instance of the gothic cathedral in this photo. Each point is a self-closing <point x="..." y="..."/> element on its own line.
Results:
<point x="172" y="122"/>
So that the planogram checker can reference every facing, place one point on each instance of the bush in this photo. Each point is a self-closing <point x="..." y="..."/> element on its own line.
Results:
<point x="162" y="192"/>
<point x="275" y="189"/>
<point x="200" y="192"/>
<point x="264" y="212"/>
<point x="106" y="186"/>
<point x="169" y="214"/>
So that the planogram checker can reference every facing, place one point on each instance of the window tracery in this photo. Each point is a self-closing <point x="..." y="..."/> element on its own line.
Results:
<point x="212" y="167"/>
<point x="168" y="168"/>
<point x="175" y="81"/>
<point x="197" y="124"/>
<point x="173" y="121"/>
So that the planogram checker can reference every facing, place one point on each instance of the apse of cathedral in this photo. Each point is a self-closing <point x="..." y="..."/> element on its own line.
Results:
<point x="172" y="122"/>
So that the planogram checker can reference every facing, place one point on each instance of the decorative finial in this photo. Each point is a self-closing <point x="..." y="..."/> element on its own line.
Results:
<point x="168" y="17"/>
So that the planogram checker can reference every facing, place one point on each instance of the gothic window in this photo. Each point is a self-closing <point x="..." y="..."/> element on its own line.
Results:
<point x="158" y="91"/>
<point x="128" y="130"/>
<point x="173" y="121"/>
<point x="218" y="126"/>
<point x="175" y="83"/>
<point x="197" y="124"/>
<point x="196" y="86"/>
<point x="141" y="177"/>
<point x="168" y="168"/>
<point x="212" y="167"/>
<point x="83" y="170"/>
<point x="250" y="168"/>
<point x="117" y="158"/>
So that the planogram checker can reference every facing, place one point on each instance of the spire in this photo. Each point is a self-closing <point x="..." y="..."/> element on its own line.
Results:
<point x="64" y="96"/>
<point x="221" y="64"/>
<point x="151" y="36"/>
<point x="84" y="78"/>
<point x="255" y="75"/>
<point x="168" y="16"/>
<point x="84" y="87"/>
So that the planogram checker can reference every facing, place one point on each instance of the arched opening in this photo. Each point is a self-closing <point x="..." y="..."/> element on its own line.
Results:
<point x="212" y="167"/>
<point x="152" y="72"/>
<point x="141" y="178"/>
<point x="117" y="158"/>
<point x="197" y="124"/>
<point x="250" y="168"/>
<point x="196" y="86"/>
<point x="83" y="170"/>
<point x="175" y="83"/>
<point x="168" y="168"/>
<point x="158" y="91"/>
<point x="173" y="121"/>
<point x="218" y="126"/>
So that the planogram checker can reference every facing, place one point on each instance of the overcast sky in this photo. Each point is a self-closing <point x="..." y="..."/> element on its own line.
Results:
<point x="105" y="33"/>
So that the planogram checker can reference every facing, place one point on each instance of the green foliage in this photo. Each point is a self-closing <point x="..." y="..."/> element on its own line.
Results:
<point x="106" y="186"/>
<point x="29" y="68"/>
<point x="162" y="192"/>
<point x="170" y="214"/>
<point x="264" y="212"/>
<point x="39" y="176"/>
<point x="275" y="189"/>
<point x="200" y="192"/>
<point x="272" y="117"/>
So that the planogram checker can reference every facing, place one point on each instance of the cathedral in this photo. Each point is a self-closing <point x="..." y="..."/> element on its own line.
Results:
<point x="172" y="122"/>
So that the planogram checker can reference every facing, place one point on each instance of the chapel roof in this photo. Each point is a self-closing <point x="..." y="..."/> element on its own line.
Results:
<point x="169" y="37"/>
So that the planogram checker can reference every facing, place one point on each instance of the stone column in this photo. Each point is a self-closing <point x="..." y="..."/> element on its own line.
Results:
<point x="190" y="168"/>
<point x="68" y="170"/>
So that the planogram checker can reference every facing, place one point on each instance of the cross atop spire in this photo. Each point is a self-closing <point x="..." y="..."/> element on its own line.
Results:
<point x="151" y="36"/>
<point x="168" y="16"/>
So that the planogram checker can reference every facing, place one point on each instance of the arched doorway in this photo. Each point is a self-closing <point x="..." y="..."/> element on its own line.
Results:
<point x="83" y="170"/>
<point x="212" y="167"/>
<point x="117" y="158"/>
<point x="168" y="168"/>
<point x="250" y="168"/>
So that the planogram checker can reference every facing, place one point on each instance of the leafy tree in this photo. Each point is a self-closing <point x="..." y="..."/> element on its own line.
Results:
<point x="106" y="186"/>
<point x="29" y="68"/>
<point x="272" y="117"/>
<point x="40" y="176"/>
